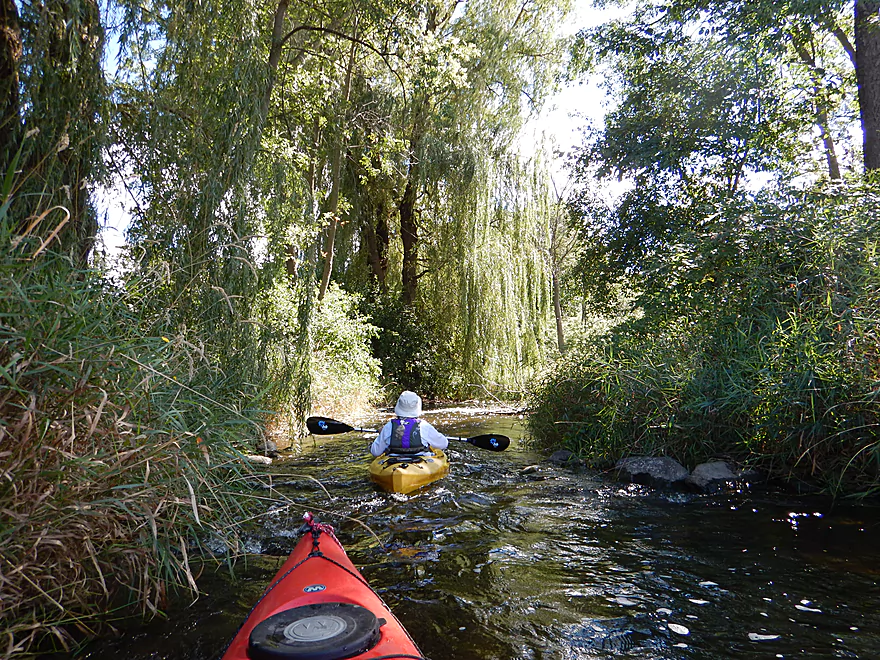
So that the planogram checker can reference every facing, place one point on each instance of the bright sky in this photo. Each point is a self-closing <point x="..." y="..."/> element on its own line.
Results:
<point x="563" y="119"/>
<point x="576" y="106"/>
<point x="113" y="217"/>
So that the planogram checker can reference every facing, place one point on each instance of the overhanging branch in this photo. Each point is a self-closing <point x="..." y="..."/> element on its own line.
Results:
<point x="343" y="35"/>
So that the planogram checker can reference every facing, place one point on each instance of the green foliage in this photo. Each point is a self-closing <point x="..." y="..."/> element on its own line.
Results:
<point x="712" y="101"/>
<point x="130" y="400"/>
<point x="345" y="375"/>
<point x="697" y="108"/>
<point x="442" y="125"/>
<point x="413" y="352"/>
<point x="760" y="338"/>
<point x="218" y="222"/>
<point x="713" y="91"/>
<point x="120" y="449"/>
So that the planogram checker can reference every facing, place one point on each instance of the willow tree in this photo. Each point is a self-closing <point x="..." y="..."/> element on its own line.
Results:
<point x="234" y="120"/>
<point x="492" y="65"/>
<point x="366" y="120"/>
<point x="193" y="94"/>
<point x="492" y="286"/>
<point x="397" y="111"/>
<point x="433" y="133"/>
<point x="52" y="96"/>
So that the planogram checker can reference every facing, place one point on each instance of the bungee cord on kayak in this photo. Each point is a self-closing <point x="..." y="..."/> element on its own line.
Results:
<point x="328" y="612"/>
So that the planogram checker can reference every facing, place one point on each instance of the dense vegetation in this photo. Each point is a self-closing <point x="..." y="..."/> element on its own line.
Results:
<point x="320" y="200"/>
<point x="119" y="448"/>
<point x="744" y="250"/>
<point x="325" y="203"/>
<point x="759" y="340"/>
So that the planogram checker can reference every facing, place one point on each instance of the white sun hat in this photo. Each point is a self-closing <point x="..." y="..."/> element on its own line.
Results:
<point x="409" y="405"/>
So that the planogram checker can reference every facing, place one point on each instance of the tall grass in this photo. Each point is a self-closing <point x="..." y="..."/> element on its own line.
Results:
<point x="117" y="452"/>
<point x="760" y="340"/>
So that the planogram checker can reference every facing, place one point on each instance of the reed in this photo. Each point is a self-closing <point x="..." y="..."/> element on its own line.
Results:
<point x="118" y="449"/>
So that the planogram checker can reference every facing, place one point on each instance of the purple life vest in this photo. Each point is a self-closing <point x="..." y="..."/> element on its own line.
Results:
<point x="405" y="437"/>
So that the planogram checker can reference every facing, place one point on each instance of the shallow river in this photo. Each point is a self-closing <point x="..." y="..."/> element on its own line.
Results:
<point x="511" y="557"/>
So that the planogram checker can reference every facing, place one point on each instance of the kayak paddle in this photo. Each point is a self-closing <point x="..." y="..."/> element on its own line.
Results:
<point x="327" y="426"/>
<point x="490" y="441"/>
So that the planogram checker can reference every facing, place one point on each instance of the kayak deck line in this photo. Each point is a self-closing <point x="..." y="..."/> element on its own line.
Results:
<point x="316" y="529"/>
<point x="328" y="612"/>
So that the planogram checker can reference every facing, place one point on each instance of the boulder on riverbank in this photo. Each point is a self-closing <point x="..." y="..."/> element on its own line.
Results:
<point x="667" y="473"/>
<point x="564" y="457"/>
<point x="711" y="477"/>
<point x="656" y="472"/>
<point x="268" y="448"/>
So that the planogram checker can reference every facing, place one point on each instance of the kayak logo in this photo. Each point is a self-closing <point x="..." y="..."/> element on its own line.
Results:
<point x="493" y="442"/>
<point x="324" y="425"/>
<point x="314" y="588"/>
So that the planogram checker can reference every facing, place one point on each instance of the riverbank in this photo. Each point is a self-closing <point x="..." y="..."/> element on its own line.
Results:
<point x="120" y="449"/>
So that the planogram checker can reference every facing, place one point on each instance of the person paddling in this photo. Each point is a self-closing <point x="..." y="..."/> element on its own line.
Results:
<point x="407" y="434"/>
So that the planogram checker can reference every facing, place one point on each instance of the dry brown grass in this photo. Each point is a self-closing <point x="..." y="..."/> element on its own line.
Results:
<point x="114" y="462"/>
<point x="86" y="501"/>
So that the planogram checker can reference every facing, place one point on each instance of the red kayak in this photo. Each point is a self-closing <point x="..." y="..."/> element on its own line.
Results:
<point x="318" y="607"/>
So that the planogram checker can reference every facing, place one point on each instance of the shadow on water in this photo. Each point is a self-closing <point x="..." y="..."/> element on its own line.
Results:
<point x="511" y="557"/>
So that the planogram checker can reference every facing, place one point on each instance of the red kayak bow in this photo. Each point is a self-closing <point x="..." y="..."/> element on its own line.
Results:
<point x="318" y="607"/>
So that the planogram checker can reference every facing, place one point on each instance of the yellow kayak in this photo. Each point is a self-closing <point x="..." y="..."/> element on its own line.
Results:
<point x="404" y="474"/>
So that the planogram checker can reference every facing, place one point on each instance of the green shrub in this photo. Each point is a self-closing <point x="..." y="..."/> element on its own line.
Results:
<point x="345" y="376"/>
<point x="760" y="338"/>
<point x="413" y="353"/>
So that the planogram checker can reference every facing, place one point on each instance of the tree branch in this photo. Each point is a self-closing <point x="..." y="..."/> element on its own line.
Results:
<point x="845" y="42"/>
<point x="342" y="35"/>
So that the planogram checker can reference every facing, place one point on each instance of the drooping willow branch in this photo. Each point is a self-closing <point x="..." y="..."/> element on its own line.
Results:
<point x="343" y="35"/>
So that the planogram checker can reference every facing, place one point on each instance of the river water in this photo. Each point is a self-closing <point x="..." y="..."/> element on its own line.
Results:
<point x="511" y="557"/>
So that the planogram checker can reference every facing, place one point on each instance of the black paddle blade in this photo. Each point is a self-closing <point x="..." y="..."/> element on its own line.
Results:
<point x="491" y="442"/>
<point x="326" y="426"/>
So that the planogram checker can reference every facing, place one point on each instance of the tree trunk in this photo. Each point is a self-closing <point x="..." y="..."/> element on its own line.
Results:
<point x="376" y="237"/>
<point x="10" y="57"/>
<point x="828" y="142"/>
<point x="274" y="56"/>
<point x="821" y="110"/>
<point x="275" y="50"/>
<point x="557" y="310"/>
<point x="332" y="208"/>
<point x="409" y="229"/>
<point x="409" y="233"/>
<point x="867" y="24"/>
<point x="311" y="186"/>
<point x="336" y="176"/>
